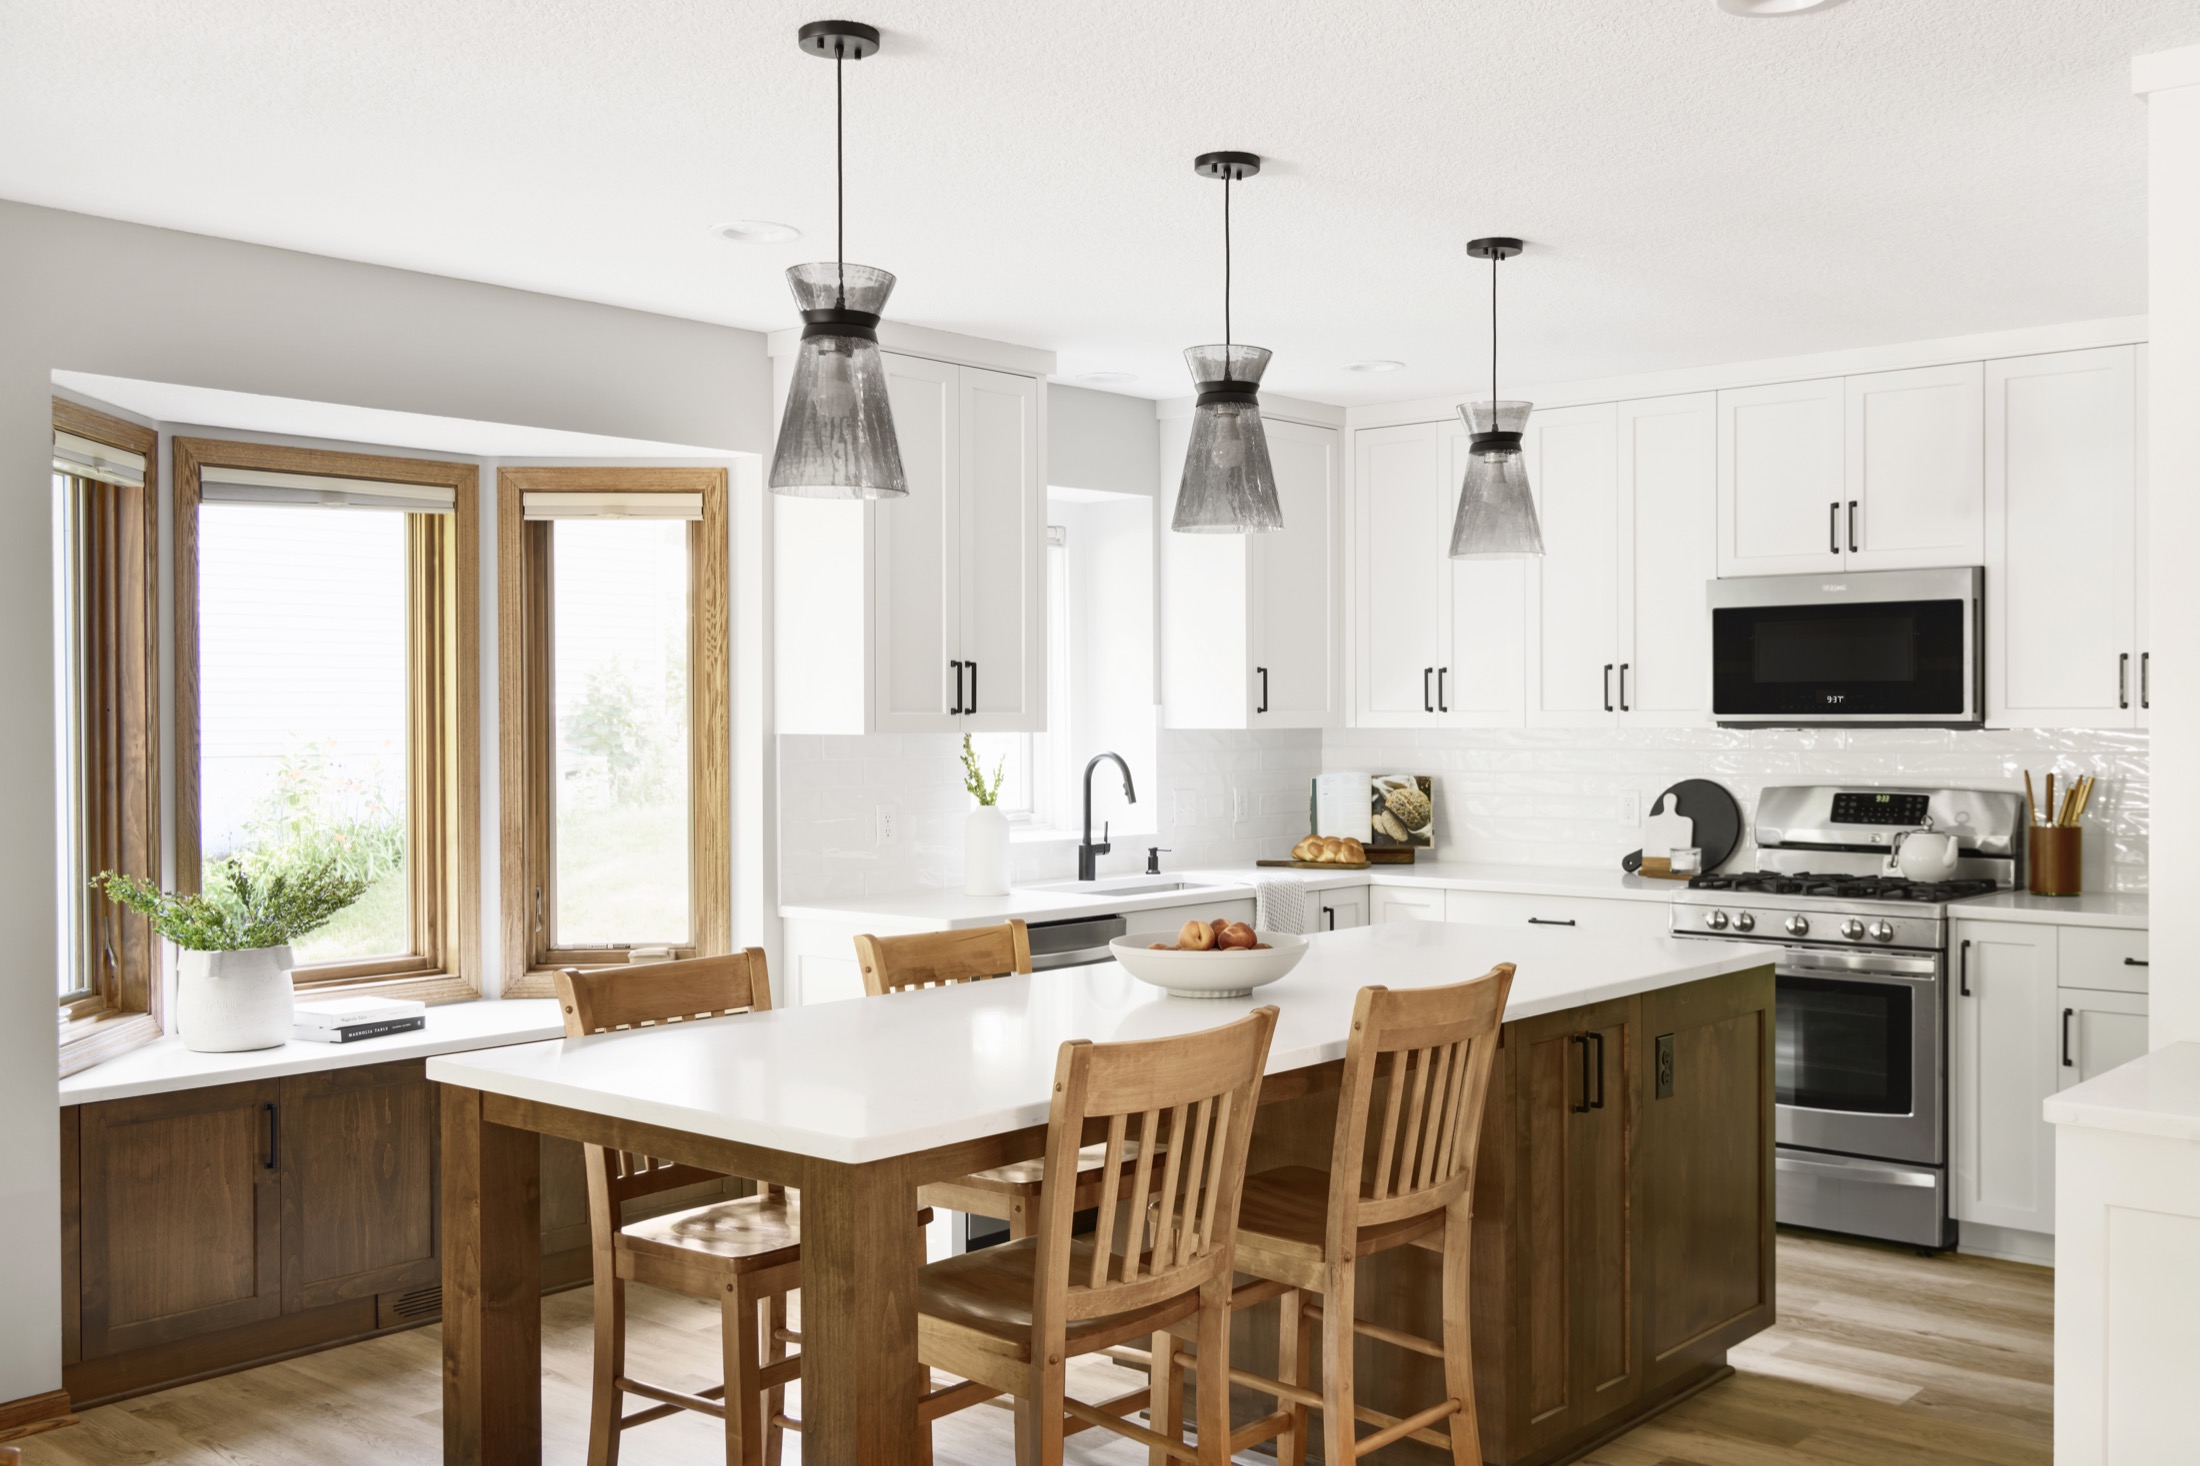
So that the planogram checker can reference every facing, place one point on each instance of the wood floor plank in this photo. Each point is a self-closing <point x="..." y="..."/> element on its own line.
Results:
<point x="1881" y="1358"/>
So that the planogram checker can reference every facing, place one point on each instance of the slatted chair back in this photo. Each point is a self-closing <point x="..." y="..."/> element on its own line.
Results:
<point x="1409" y="1106"/>
<point x="942" y="959"/>
<point x="655" y="995"/>
<point x="1187" y="1102"/>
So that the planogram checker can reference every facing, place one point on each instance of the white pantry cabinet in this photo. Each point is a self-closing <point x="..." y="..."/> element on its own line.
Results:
<point x="925" y="613"/>
<point x="2064" y="544"/>
<point x="1440" y="642"/>
<point x="1251" y="625"/>
<point x="1873" y="472"/>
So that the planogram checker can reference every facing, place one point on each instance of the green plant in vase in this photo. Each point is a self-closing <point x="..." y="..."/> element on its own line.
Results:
<point x="985" y="832"/>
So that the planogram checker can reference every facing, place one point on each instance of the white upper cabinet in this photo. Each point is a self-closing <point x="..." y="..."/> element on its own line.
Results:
<point x="1252" y="626"/>
<point x="2062" y="541"/>
<point x="1781" y="478"/>
<point x="1571" y="455"/>
<point x="1913" y="469"/>
<point x="1403" y="588"/>
<point x="1481" y="672"/>
<point x="925" y="613"/>
<point x="1668" y="536"/>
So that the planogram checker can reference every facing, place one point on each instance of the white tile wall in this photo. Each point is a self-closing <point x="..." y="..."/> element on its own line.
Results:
<point x="1549" y="796"/>
<point x="1525" y="796"/>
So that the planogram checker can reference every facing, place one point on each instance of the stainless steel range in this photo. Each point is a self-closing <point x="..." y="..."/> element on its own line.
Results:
<point x="1861" y="1057"/>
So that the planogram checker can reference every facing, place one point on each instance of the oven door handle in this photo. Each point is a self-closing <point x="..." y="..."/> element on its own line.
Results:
<point x="1851" y="1171"/>
<point x="1862" y="968"/>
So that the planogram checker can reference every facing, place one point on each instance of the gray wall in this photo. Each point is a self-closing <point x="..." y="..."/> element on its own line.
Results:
<point x="85" y="294"/>
<point x="1101" y="440"/>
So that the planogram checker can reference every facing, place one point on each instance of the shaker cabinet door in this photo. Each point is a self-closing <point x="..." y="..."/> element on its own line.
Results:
<point x="1915" y="484"/>
<point x="1668" y="538"/>
<point x="1297" y="637"/>
<point x="1403" y="585"/>
<point x="915" y="549"/>
<point x="1782" y="483"/>
<point x="2002" y="1066"/>
<point x="1000" y="555"/>
<point x="1573" y="612"/>
<point x="1482" y="680"/>
<point x="359" y="1184"/>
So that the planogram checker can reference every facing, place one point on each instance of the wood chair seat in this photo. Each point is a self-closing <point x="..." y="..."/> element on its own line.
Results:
<point x="982" y="1300"/>
<point x="749" y="1235"/>
<point x="1283" y="1219"/>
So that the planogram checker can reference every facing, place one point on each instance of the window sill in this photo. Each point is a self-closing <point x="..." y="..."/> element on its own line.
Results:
<point x="97" y="1037"/>
<point x="428" y="987"/>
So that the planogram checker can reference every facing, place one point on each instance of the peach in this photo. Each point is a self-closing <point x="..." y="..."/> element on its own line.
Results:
<point x="1195" y="937"/>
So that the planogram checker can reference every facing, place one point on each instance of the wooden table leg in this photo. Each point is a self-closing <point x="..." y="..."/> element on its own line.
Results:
<point x="492" y="1288"/>
<point x="859" y="1316"/>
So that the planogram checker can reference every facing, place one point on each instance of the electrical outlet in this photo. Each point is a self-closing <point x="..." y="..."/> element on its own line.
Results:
<point x="1630" y="809"/>
<point x="1241" y="804"/>
<point x="889" y="826"/>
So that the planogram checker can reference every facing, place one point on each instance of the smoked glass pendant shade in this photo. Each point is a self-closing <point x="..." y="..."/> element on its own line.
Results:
<point x="1496" y="518"/>
<point x="1229" y="485"/>
<point x="836" y="440"/>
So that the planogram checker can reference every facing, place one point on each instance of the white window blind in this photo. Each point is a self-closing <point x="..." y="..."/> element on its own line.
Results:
<point x="83" y="458"/>
<point x="612" y="506"/>
<point x="318" y="491"/>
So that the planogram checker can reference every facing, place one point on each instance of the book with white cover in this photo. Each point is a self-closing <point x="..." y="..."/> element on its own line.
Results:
<point x="349" y="1012"/>
<point x="1341" y="806"/>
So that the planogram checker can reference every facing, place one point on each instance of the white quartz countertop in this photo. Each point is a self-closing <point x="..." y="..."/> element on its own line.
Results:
<point x="2158" y="1094"/>
<point x="953" y="909"/>
<point x="870" y="1078"/>
<point x="2106" y="908"/>
<point x="165" y="1064"/>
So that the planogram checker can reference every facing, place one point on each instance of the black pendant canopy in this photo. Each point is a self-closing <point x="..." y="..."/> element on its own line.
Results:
<point x="1229" y="484"/>
<point x="836" y="439"/>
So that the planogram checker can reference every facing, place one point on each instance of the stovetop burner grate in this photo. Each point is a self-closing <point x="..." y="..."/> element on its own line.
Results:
<point x="1842" y="887"/>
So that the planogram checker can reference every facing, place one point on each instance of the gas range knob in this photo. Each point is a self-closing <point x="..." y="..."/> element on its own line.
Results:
<point x="1716" y="921"/>
<point x="1798" y="926"/>
<point x="1882" y="931"/>
<point x="1744" y="922"/>
<point x="1853" y="929"/>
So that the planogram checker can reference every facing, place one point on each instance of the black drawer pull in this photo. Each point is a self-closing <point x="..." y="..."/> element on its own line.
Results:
<point x="958" y="666"/>
<point x="1329" y="915"/>
<point x="2135" y="962"/>
<point x="1552" y="921"/>
<point x="274" y="1136"/>
<point x="1963" y="970"/>
<point x="1598" y="1039"/>
<point x="1428" y="704"/>
<point x="2067" y="1015"/>
<point x="1582" y="1106"/>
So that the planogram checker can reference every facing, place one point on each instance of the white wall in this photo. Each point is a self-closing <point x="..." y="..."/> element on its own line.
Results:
<point x="1100" y="440"/>
<point x="2170" y="83"/>
<point x="86" y="294"/>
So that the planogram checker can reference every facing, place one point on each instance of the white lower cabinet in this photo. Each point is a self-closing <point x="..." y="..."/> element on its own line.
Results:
<point x="1600" y="916"/>
<point x="1337" y="910"/>
<point x="1405" y="903"/>
<point x="2036" y="1009"/>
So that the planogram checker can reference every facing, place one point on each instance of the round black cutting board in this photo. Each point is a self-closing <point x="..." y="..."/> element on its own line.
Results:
<point x="1718" y="821"/>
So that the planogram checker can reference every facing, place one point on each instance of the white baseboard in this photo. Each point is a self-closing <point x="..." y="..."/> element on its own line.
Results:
<point x="2010" y="1244"/>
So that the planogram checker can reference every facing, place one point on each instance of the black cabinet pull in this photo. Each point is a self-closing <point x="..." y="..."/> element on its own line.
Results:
<point x="274" y="1135"/>
<point x="1581" y="1107"/>
<point x="1329" y="914"/>
<point x="2135" y="962"/>
<point x="2068" y="1013"/>
<point x="1833" y="527"/>
<point x="1597" y="1037"/>
<point x="1443" y="704"/>
<point x="973" y="707"/>
<point x="1263" y="690"/>
<point x="2123" y="679"/>
<point x="2146" y="679"/>
<point x="1852" y="526"/>
<point x="1963" y="969"/>
<point x="1427" y="706"/>
<point x="1623" y="685"/>
<point x="958" y="666"/>
<point x="1607" y="687"/>
<point x="1552" y="921"/>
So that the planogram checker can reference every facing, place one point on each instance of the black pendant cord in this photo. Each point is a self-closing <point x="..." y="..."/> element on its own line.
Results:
<point x="840" y="174"/>
<point x="1493" y="340"/>
<point x="1226" y="271"/>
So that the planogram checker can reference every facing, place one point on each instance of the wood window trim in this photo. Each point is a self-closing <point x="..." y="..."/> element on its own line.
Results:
<point x="443" y="787"/>
<point x="119" y="1017"/>
<point x="527" y="969"/>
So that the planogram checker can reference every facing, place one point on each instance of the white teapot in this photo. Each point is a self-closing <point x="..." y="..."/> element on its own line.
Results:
<point x="1924" y="854"/>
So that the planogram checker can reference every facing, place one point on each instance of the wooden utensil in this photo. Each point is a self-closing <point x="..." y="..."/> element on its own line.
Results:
<point x="2050" y="806"/>
<point x="2031" y="807"/>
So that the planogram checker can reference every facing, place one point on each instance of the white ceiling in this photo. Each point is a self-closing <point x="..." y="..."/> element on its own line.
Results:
<point x="1695" y="187"/>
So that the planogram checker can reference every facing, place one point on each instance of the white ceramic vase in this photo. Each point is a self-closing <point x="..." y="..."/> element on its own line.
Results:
<point x="229" y="1001"/>
<point x="985" y="852"/>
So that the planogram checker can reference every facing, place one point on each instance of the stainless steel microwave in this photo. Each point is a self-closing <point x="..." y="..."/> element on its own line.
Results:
<point x="1877" y="648"/>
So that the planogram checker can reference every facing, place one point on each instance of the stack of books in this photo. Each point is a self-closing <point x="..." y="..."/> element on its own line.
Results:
<point x="347" y="1020"/>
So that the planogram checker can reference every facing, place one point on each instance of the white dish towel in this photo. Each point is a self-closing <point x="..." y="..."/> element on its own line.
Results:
<point x="1281" y="905"/>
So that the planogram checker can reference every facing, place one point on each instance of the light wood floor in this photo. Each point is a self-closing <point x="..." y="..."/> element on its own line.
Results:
<point x="1881" y="1357"/>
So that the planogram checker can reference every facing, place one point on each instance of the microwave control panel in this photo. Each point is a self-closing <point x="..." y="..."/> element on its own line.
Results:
<point x="1852" y="808"/>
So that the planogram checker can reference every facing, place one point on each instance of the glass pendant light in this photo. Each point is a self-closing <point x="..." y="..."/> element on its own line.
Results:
<point x="1229" y="486"/>
<point x="837" y="440"/>
<point x="1496" y="519"/>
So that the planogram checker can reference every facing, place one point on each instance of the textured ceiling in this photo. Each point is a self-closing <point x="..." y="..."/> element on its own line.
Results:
<point x="1694" y="187"/>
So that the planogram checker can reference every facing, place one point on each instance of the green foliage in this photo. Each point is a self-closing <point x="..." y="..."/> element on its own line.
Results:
<point x="974" y="775"/>
<point x="314" y="817"/>
<point x="240" y="911"/>
<point x="609" y="726"/>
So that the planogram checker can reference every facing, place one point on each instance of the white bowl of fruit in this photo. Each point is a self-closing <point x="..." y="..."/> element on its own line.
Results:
<point x="1209" y="959"/>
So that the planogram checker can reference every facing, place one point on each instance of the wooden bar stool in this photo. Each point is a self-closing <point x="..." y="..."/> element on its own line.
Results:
<point x="1010" y="1317"/>
<point x="948" y="959"/>
<point x="1409" y="1122"/>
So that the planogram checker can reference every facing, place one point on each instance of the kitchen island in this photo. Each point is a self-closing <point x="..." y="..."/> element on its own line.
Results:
<point x="1624" y="1210"/>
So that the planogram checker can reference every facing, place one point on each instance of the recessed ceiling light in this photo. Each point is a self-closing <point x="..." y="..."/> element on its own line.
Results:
<point x="1373" y="366"/>
<point x="1101" y="378"/>
<point x="1762" y="8"/>
<point x="756" y="231"/>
